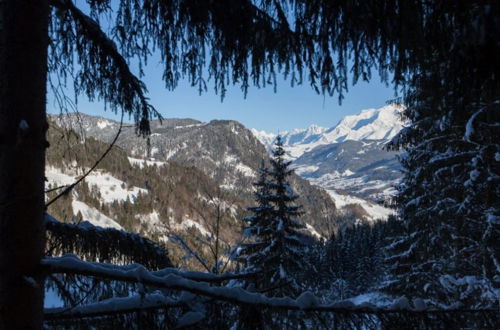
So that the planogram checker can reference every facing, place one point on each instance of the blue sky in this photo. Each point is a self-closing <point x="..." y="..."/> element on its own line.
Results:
<point x="288" y="108"/>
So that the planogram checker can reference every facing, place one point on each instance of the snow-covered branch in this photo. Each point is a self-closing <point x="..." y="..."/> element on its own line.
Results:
<point x="114" y="305"/>
<point x="470" y="129"/>
<point x="305" y="302"/>
<point x="53" y="264"/>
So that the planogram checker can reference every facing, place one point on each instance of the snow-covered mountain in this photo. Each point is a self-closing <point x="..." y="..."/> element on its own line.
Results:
<point x="224" y="151"/>
<point x="370" y="124"/>
<point x="348" y="159"/>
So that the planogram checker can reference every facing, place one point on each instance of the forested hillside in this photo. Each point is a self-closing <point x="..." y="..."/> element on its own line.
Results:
<point x="165" y="200"/>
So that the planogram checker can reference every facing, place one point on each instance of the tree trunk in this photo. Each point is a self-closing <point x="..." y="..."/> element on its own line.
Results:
<point x="23" y="75"/>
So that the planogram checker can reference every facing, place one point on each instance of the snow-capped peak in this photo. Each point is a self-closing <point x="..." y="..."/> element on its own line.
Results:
<point x="303" y="136"/>
<point x="370" y="124"/>
<point x="265" y="138"/>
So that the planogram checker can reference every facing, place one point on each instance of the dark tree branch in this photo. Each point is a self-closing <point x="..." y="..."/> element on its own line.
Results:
<point x="138" y="274"/>
<point x="106" y="244"/>
<point x="68" y="189"/>
<point x="114" y="306"/>
<point x="125" y="89"/>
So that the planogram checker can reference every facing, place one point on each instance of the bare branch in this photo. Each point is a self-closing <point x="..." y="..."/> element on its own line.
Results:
<point x="74" y="184"/>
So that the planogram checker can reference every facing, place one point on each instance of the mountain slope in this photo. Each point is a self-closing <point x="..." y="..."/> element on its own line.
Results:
<point x="370" y="124"/>
<point x="360" y="168"/>
<point x="349" y="159"/>
<point x="225" y="151"/>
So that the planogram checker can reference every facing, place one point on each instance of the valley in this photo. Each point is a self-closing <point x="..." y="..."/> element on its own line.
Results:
<point x="187" y="175"/>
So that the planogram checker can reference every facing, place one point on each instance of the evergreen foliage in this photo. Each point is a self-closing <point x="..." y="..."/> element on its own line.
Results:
<point x="103" y="244"/>
<point x="353" y="260"/>
<point x="446" y="253"/>
<point x="277" y="247"/>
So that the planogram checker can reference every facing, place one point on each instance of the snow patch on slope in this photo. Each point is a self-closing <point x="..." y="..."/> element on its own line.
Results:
<point x="93" y="216"/>
<point x="111" y="188"/>
<point x="151" y="221"/>
<point x="375" y="211"/>
<point x="239" y="166"/>
<point x="301" y="170"/>
<point x="56" y="177"/>
<point x="144" y="162"/>
<point x="313" y="231"/>
<point x="103" y="124"/>
<point x="188" y="224"/>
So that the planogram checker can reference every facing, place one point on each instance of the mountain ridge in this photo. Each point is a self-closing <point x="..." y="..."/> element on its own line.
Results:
<point x="369" y="124"/>
<point x="349" y="159"/>
<point x="224" y="150"/>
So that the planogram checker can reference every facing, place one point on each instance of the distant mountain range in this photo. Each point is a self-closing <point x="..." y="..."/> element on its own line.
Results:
<point x="223" y="150"/>
<point x="348" y="158"/>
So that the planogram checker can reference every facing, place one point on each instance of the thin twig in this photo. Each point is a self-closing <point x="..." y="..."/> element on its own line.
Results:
<point x="73" y="185"/>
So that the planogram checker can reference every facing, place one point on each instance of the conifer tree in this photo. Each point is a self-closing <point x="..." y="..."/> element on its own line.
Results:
<point x="258" y="229"/>
<point x="277" y="248"/>
<point x="446" y="249"/>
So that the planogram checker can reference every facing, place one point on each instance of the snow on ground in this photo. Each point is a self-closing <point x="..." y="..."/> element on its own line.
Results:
<point x="171" y="152"/>
<point x="111" y="188"/>
<point x="313" y="231"/>
<point x="191" y="125"/>
<point x="151" y="219"/>
<point x="234" y="130"/>
<point x="240" y="167"/>
<point x="144" y="162"/>
<point x="375" y="211"/>
<point x="153" y="224"/>
<point x="155" y="150"/>
<point x="344" y="181"/>
<point x="306" y="169"/>
<point x="187" y="224"/>
<point x="227" y="186"/>
<point x="103" y="124"/>
<point x="245" y="170"/>
<point x="378" y="211"/>
<point x="56" y="177"/>
<point x="93" y="216"/>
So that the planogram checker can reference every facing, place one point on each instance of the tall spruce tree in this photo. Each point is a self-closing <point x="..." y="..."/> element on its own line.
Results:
<point x="258" y="230"/>
<point x="278" y="247"/>
<point x="446" y="253"/>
